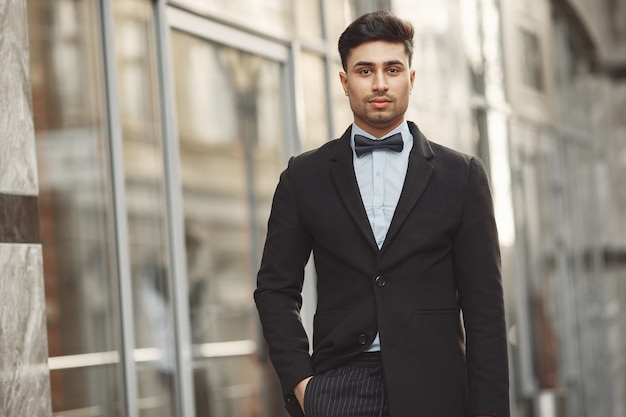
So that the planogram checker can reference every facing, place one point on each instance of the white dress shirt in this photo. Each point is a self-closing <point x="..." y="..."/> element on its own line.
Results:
<point x="380" y="175"/>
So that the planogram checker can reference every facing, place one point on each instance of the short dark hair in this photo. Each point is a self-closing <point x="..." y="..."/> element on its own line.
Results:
<point x="380" y="25"/>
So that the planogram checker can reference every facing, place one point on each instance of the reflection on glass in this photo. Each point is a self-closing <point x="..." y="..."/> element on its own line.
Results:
<point x="308" y="18"/>
<point x="231" y="152"/>
<point x="341" y="107"/>
<point x="145" y="198"/>
<point x="78" y="397"/>
<point x="338" y="18"/>
<point x="274" y="17"/>
<point x="75" y="204"/>
<point x="313" y="84"/>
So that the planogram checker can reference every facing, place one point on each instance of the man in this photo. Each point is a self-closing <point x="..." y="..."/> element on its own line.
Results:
<point x="404" y="241"/>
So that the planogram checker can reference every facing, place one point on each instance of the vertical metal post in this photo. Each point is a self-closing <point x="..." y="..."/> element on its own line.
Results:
<point x="292" y="99"/>
<point x="175" y="217"/>
<point x="120" y="212"/>
<point x="328" y="67"/>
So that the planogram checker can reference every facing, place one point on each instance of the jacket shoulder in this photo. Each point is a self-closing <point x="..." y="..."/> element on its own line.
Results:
<point x="456" y="161"/>
<point x="436" y="153"/>
<point x="456" y="168"/>
<point x="449" y="155"/>
<point x="315" y="158"/>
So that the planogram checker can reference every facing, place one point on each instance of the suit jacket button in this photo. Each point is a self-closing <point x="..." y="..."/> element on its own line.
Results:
<point x="380" y="281"/>
<point x="362" y="339"/>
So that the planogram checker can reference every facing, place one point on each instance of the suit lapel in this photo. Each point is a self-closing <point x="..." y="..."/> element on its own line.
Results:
<point x="417" y="178"/>
<point x="342" y="172"/>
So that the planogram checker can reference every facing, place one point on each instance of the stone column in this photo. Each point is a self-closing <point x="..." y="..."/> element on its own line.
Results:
<point x="24" y="374"/>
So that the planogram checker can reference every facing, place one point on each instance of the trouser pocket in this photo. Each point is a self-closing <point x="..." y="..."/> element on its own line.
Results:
<point x="346" y="392"/>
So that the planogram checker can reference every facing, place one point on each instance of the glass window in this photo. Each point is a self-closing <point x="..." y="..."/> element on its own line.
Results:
<point x="272" y="17"/>
<point x="341" y="106"/>
<point x="145" y="198"/>
<point x="313" y="84"/>
<point x="532" y="69"/>
<point x="340" y="13"/>
<point x="308" y="18"/>
<point x="338" y="18"/>
<point x="574" y="81"/>
<point x="538" y="217"/>
<point x="556" y="217"/>
<point x="75" y="206"/>
<point x="231" y="153"/>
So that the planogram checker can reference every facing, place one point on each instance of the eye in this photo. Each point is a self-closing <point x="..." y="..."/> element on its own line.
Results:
<point x="393" y="70"/>
<point x="365" y="71"/>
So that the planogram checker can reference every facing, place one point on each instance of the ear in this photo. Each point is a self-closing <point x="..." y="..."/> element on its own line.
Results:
<point x="412" y="78"/>
<point x="343" y="77"/>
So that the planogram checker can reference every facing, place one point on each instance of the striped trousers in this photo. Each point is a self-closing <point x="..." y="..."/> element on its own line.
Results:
<point x="353" y="390"/>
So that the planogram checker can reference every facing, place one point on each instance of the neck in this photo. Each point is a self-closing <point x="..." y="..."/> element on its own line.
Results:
<point x="382" y="132"/>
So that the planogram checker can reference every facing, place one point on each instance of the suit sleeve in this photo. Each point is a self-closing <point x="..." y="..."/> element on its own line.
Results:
<point x="476" y="255"/>
<point x="279" y="286"/>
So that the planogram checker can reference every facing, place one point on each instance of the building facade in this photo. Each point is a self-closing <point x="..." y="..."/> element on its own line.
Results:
<point x="141" y="141"/>
<point x="565" y="90"/>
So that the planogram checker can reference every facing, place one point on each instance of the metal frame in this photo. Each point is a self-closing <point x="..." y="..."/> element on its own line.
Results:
<point x="227" y="35"/>
<point x="328" y="59"/>
<point x="122" y="246"/>
<point x="170" y="17"/>
<point x="175" y="217"/>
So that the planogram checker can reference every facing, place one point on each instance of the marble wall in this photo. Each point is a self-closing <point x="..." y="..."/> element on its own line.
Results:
<point x="24" y="374"/>
<point x="18" y="172"/>
<point x="24" y="381"/>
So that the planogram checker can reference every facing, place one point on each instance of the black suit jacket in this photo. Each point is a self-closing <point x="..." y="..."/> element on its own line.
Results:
<point x="433" y="291"/>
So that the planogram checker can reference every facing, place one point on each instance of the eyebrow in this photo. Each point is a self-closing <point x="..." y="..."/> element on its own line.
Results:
<point x="371" y="64"/>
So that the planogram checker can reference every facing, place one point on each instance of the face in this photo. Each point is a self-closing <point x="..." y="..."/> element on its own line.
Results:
<point x="378" y="83"/>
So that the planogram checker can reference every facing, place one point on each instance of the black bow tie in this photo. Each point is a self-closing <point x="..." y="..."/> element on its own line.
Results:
<point x="363" y="145"/>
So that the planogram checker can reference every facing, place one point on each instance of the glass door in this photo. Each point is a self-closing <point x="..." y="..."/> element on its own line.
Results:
<point x="231" y="138"/>
<point x="142" y="134"/>
<point x="80" y="110"/>
<point x="76" y="207"/>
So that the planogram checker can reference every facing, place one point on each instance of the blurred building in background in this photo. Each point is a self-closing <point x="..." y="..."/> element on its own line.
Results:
<point x="141" y="142"/>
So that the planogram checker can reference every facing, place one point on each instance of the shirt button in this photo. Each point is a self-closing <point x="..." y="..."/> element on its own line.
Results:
<point x="377" y="206"/>
<point x="380" y="281"/>
<point x="362" y="339"/>
<point x="378" y="174"/>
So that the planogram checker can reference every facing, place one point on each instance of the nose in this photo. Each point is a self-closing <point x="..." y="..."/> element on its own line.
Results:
<point x="379" y="82"/>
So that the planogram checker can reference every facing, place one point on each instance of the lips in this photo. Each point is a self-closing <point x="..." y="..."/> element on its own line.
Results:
<point x="380" y="102"/>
